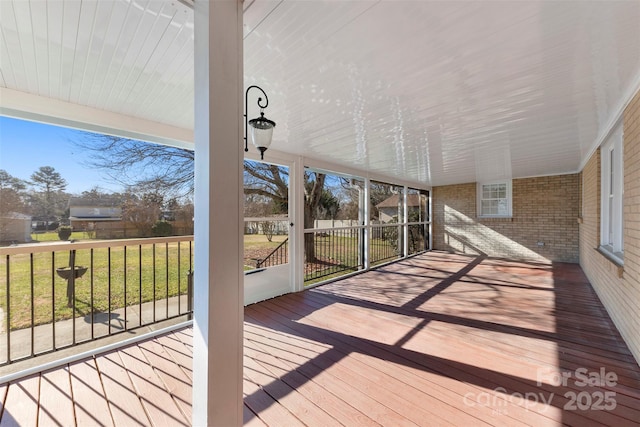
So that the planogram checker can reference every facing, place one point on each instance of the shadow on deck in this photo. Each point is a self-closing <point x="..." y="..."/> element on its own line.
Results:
<point x="437" y="339"/>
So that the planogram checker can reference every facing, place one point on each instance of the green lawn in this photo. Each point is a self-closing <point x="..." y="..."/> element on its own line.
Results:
<point x="257" y="246"/>
<point x="142" y="269"/>
<point x="338" y="255"/>
<point x="49" y="290"/>
<point x="52" y="236"/>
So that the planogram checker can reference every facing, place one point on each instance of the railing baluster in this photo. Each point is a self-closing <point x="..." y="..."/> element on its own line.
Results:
<point x="124" y="278"/>
<point x="140" y="285"/>
<point x="8" y="324"/>
<point x="190" y="290"/>
<point x="33" y="306"/>
<point x="154" y="281"/>
<point x="72" y="282"/>
<point x="179" y="279"/>
<point x="53" y="300"/>
<point x="166" y="267"/>
<point x="91" y="311"/>
<point x="109" y="290"/>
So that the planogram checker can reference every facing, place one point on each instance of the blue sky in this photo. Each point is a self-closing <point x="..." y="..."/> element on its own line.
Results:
<point x="26" y="146"/>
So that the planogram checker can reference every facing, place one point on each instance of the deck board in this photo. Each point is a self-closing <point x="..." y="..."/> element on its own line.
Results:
<point x="125" y="405"/>
<point x="56" y="403"/>
<point x="21" y="403"/>
<point x="173" y="377"/>
<point x="437" y="339"/>
<point x="90" y="404"/>
<point x="158" y="403"/>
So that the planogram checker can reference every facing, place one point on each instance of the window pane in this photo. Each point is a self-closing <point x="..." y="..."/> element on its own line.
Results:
<point x="494" y="199"/>
<point x="486" y="192"/>
<point x="502" y="207"/>
<point x="502" y="192"/>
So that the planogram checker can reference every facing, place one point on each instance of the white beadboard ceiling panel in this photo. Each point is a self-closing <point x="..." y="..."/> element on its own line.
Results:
<point x="134" y="58"/>
<point x="429" y="92"/>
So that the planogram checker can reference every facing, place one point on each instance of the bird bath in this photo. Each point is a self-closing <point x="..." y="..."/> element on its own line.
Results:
<point x="65" y="273"/>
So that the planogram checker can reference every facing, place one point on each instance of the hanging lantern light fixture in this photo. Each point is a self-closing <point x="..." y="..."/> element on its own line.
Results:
<point x="260" y="129"/>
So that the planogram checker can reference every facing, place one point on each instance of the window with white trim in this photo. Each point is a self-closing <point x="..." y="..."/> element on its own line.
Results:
<point x="494" y="199"/>
<point x="612" y="191"/>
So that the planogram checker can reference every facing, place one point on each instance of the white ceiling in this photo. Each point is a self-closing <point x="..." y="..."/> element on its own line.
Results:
<point x="429" y="92"/>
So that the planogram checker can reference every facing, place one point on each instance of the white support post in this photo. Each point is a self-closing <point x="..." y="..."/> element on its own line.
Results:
<point x="405" y="227"/>
<point x="429" y="213"/>
<point x="218" y="279"/>
<point x="366" y="206"/>
<point x="296" y="212"/>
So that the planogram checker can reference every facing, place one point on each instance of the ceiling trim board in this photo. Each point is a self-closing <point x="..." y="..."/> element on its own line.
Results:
<point x="22" y="105"/>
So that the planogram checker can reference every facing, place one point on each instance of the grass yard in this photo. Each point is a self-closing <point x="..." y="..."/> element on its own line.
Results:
<point x="257" y="246"/>
<point x="143" y="268"/>
<point x="52" y="236"/>
<point x="149" y="273"/>
<point x="338" y="255"/>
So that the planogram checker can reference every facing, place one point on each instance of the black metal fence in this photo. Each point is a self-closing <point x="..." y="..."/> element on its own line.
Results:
<point x="280" y="255"/>
<point x="60" y="295"/>
<point x="386" y="243"/>
<point x="332" y="251"/>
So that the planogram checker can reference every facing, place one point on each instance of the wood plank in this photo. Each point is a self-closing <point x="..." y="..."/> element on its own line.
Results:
<point x="396" y="397"/>
<point x="439" y="393"/>
<point x="21" y="403"/>
<point x="351" y="393"/>
<point x="339" y="409"/>
<point x="443" y="368"/>
<point x="90" y="404"/>
<point x="401" y="345"/>
<point x="125" y="405"/>
<point x="266" y="408"/>
<point x="249" y="419"/>
<point x="174" y="378"/>
<point x="56" y="403"/>
<point x="296" y="403"/>
<point x="3" y="395"/>
<point x="158" y="403"/>
<point x="179" y="352"/>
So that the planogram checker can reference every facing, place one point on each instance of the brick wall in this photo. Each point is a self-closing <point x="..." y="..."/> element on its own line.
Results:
<point x="620" y="295"/>
<point x="545" y="209"/>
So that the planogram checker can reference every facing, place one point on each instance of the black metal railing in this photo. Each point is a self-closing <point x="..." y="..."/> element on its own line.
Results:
<point x="332" y="251"/>
<point x="59" y="295"/>
<point x="386" y="243"/>
<point x="280" y="255"/>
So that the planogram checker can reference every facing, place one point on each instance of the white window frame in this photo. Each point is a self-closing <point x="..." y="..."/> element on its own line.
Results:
<point x="612" y="196"/>
<point x="479" y="190"/>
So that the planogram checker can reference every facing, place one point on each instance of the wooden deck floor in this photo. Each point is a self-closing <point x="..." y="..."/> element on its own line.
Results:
<point x="437" y="339"/>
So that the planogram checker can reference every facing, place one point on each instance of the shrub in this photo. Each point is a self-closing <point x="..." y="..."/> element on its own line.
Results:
<point x="64" y="232"/>
<point x="268" y="227"/>
<point x="162" y="229"/>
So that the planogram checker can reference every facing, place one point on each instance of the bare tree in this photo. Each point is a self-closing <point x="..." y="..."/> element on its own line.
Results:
<point x="141" y="164"/>
<point x="272" y="181"/>
<point x="142" y="211"/>
<point x="171" y="171"/>
<point x="268" y="228"/>
<point x="314" y="184"/>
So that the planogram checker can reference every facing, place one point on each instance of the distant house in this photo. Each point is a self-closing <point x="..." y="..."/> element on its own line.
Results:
<point x="84" y="212"/>
<point x="15" y="227"/>
<point x="388" y="209"/>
